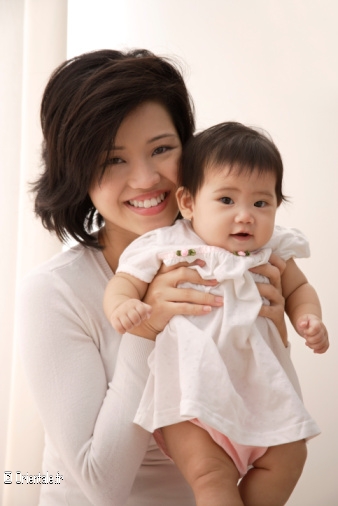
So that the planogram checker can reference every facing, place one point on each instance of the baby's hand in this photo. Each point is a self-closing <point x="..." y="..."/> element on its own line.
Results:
<point x="314" y="332"/>
<point x="129" y="314"/>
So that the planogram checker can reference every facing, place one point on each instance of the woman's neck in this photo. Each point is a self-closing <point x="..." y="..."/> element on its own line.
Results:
<point x="113" y="246"/>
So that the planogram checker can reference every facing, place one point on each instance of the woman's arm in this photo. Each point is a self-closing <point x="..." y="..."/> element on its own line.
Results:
<point x="86" y="410"/>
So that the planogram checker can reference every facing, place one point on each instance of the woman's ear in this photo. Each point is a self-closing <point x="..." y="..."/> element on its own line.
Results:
<point x="185" y="202"/>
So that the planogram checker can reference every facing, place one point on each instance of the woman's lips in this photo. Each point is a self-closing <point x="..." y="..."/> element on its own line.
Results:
<point x="150" y="204"/>
<point x="147" y="203"/>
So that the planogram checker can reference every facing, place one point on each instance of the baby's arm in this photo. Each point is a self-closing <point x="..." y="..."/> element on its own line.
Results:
<point x="122" y="302"/>
<point x="303" y="308"/>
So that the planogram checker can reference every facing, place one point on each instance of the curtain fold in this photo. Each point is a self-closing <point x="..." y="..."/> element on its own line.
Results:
<point x="34" y="42"/>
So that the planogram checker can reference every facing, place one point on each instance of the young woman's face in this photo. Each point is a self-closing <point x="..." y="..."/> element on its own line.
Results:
<point x="234" y="211"/>
<point x="137" y="192"/>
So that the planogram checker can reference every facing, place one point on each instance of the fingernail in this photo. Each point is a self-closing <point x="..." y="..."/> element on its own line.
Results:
<point x="199" y="262"/>
<point x="219" y="300"/>
<point x="207" y="309"/>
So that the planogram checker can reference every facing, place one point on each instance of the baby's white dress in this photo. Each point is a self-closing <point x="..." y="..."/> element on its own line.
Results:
<point x="228" y="368"/>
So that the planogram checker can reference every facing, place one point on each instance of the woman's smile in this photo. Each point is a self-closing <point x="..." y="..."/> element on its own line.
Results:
<point x="147" y="202"/>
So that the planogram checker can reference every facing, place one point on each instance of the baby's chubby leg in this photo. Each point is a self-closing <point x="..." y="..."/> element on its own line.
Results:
<point x="274" y="475"/>
<point x="209" y="471"/>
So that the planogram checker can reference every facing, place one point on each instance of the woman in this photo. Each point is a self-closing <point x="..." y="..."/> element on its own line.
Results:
<point x="113" y="125"/>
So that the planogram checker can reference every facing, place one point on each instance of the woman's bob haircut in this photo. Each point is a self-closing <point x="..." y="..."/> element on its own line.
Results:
<point x="84" y="103"/>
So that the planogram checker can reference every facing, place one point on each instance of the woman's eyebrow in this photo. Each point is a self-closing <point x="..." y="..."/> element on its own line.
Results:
<point x="162" y="136"/>
<point x="153" y="139"/>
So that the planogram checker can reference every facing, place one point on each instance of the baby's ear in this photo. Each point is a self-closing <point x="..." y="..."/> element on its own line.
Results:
<point x="185" y="202"/>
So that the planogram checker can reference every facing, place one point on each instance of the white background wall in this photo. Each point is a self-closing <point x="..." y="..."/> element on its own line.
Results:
<point x="32" y="44"/>
<point x="269" y="63"/>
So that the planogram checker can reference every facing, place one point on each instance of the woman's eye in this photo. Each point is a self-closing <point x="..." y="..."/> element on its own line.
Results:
<point x="226" y="200"/>
<point x="160" y="150"/>
<point x="260" y="203"/>
<point x="114" y="161"/>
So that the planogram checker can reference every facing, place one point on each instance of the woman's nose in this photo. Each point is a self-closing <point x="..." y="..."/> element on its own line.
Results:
<point x="143" y="176"/>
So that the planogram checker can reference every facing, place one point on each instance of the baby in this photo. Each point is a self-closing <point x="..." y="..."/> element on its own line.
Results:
<point x="222" y="397"/>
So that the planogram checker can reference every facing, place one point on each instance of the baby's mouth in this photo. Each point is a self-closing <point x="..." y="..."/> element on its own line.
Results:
<point x="147" y="203"/>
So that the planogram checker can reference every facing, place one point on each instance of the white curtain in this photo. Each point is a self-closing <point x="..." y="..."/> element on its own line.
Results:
<point x="33" y="37"/>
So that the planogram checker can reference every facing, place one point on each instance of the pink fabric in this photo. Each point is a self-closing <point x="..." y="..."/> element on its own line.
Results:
<point x="243" y="456"/>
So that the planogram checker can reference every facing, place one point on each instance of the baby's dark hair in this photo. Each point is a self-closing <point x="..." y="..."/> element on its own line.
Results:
<point x="84" y="103"/>
<point x="237" y="146"/>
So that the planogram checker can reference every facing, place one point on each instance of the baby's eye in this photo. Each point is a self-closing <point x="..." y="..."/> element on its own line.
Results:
<point x="227" y="200"/>
<point x="260" y="203"/>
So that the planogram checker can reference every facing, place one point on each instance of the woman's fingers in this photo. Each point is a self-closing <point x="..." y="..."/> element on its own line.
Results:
<point x="273" y="271"/>
<point x="272" y="294"/>
<point x="164" y="268"/>
<point x="272" y="291"/>
<point x="168" y="299"/>
<point x="276" y="314"/>
<point x="278" y="262"/>
<point x="164" y="310"/>
<point x="181" y="273"/>
<point x="181" y="298"/>
<point x="190" y="296"/>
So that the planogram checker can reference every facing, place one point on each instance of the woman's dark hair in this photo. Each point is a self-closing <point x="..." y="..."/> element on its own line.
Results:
<point x="241" y="148"/>
<point x="84" y="103"/>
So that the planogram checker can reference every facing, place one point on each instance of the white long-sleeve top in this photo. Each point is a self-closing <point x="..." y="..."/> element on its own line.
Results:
<point x="87" y="382"/>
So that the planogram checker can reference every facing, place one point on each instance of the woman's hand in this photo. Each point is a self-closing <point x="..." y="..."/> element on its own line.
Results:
<point x="167" y="300"/>
<point x="273" y="292"/>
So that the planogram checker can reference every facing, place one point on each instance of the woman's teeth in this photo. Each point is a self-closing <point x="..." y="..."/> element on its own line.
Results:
<point x="148" y="202"/>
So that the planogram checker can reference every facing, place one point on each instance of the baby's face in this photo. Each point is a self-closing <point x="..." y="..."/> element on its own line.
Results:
<point x="235" y="211"/>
